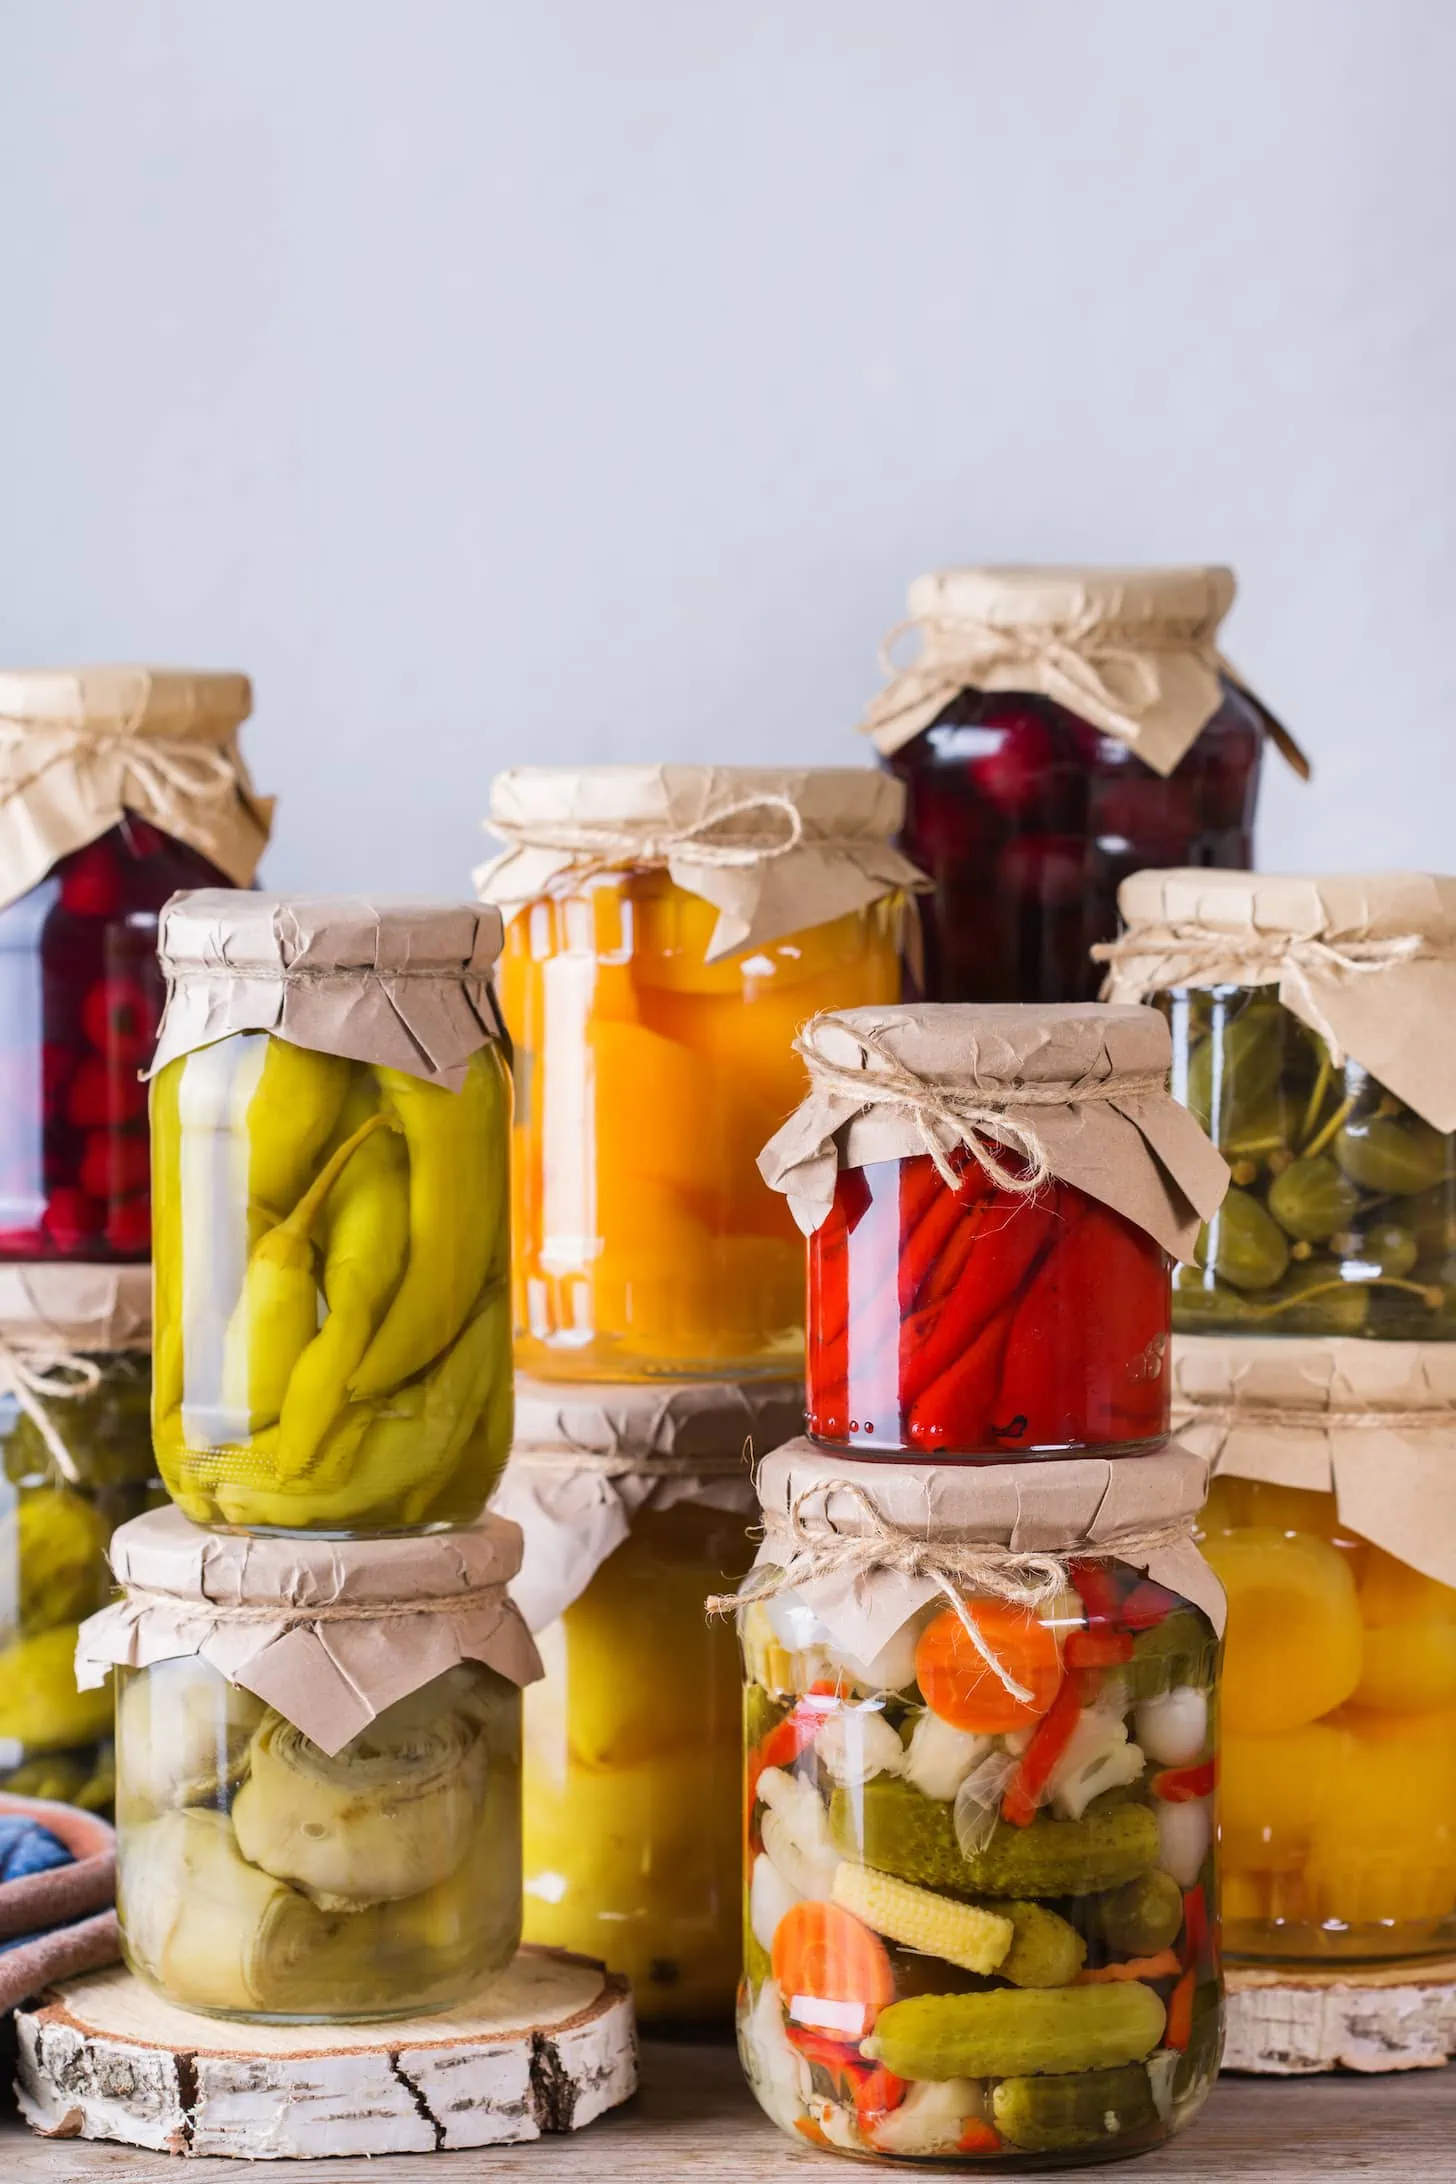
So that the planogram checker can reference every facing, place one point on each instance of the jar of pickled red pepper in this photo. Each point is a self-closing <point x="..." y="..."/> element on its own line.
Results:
<point x="1058" y="729"/>
<point x="75" y="1460"/>
<point x="318" y="1750"/>
<point x="1312" y="1023"/>
<point x="1332" y="1524"/>
<point x="117" y="787"/>
<point x="669" y="927"/>
<point x="635" y="1503"/>
<point x="982" y="1916"/>
<point x="993" y="1197"/>
<point x="331" y="1138"/>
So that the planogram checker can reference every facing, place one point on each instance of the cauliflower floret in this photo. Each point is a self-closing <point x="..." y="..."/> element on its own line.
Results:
<point x="778" y="2074"/>
<point x="769" y="1897"/>
<point x="1098" y="1757"/>
<point x="931" y="2118"/>
<point x="856" y="1743"/>
<point x="796" y="1834"/>
<point x="939" y="1758"/>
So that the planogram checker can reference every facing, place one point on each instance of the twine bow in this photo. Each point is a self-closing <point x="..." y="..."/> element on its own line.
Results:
<point x="172" y="774"/>
<point x="38" y="1377"/>
<point x="948" y="1115"/>
<point x="597" y="846"/>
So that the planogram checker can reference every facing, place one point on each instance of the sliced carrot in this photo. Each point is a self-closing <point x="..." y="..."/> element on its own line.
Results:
<point x="811" y="2131"/>
<point x="1179" y="2030"/>
<point x="1100" y="1648"/>
<point x="1165" y="1965"/>
<point x="979" y="2138"/>
<point x="824" y="1954"/>
<point x="959" y="1686"/>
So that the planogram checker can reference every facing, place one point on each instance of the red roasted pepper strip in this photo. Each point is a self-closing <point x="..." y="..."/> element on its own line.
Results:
<point x="872" y="2089"/>
<point x="1053" y="1734"/>
<point x="785" y="1742"/>
<point x="952" y="1413"/>
<point x="979" y="2138"/>
<point x="1181" y="1785"/>
<point x="925" y="1233"/>
<point x="1005" y="1239"/>
<point x="1196" y="1936"/>
<point x="1179" y="2029"/>
<point x="1097" y="1648"/>
<point x="1099" y="1591"/>
<point x="1147" y="1605"/>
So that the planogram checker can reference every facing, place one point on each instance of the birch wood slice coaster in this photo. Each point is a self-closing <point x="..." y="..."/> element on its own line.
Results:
<point x="548" y="2046"/>
<point x="1287" y="2023"/>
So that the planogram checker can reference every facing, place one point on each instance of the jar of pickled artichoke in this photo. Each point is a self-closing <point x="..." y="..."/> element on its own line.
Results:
<point x="669" y="928"/>
<point x="991" y="1195"/>
<point x="1332" y="1523"/>
<point x="117" y="787"/>
<point x="331" y="1136"/>
<point x="982" y="1918"/>
<point x="635" y="1503"/>
<point x="1312" y="1023"/>
<point x="75" y="1460"/>
<point x="318" y="1785"/>
<point x="1058" y="729"/>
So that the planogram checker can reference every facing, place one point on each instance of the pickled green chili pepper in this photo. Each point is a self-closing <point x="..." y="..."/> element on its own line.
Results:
<point x="287" y="1119"/>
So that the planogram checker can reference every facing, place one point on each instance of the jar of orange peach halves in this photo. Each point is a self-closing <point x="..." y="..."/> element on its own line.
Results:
<point x="668" y="930"/>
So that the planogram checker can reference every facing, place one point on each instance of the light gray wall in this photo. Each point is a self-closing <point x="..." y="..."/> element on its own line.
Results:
<point x="571" y="378"/>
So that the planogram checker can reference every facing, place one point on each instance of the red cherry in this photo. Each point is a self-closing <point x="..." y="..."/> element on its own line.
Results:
<point x="129" y="1227"/>
<point x="102" y="1097"/>
<point x="1051" y="868"/>
<point x="58" y="1066"/>
<point x="113" y="1166"/>
<point x="21" y="1243"/>
<point x="1155" y="818"/>
<point x="1013" y="775"/>
<point x="118" y="1019"/>
<point x="71" y="1219"/>
<point x="90" y="882"/>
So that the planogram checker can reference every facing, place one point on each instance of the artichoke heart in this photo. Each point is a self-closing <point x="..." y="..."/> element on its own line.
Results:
<point x="184" y="1733"/>
<point x="205" y="1927"/>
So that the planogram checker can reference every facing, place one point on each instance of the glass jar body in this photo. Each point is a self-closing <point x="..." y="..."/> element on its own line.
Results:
<point x="633" y="1840"/>
<point x="55" y="1741"/>
<point x="646" y="1242"/>
<point x="1338" y="1793"/>
<point x="332" y="1295"/>
<point x="80" y="999"/>
<point x="259" y="1878"/>
<point x="1028" y="819"/>
<point x="980" y="1930"/>
<point x="973" y="1322"/>
<point x="1342" y="1215"/>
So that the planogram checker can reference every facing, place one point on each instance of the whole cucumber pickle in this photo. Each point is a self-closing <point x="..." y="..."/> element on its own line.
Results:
<point x="1142" y="1916"/>
<point x="891" y="1826"/>
<point x="1046" y="1950"/>
<point x="1242" y="1244"/>
<point x="1010" y="2032"/>
<point x="1084" y="2108"/>
<point x="1399" y="1154"/>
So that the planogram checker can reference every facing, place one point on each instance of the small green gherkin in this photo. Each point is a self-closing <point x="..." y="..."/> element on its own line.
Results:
<point x="1398" y="1154"/>
<point x="1079" y="2108"/>
<point x="1242" y="1245"/>
<point x="1313" y="1198"/>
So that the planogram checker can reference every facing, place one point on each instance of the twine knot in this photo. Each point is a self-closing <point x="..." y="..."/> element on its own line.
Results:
<point x="599" y="846"/>
<point x="45" y="1374"/>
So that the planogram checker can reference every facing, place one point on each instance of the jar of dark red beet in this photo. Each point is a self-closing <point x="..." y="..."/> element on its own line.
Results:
<point x="993" y="1198"/>
<point x="1058" y="730"/>
<point x="118" y="786"/>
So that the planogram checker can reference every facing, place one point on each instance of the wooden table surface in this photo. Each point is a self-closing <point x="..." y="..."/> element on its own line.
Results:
<point x="694" y="2120"/>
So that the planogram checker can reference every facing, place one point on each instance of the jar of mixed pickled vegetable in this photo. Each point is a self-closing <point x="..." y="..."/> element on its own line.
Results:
<point x="669" y="929"/>
<point x="117" y="787"/>
<point x="75" y="1460"/>
<point x="1006" y="1291"/>
<point x="1311" y="1023"/>
<point x="1058" y="729"/>
<point x="1332" y="1524"/>
<point x="318" y="1778"/>
<point x="982" y="1912"/>
<point x="331" y="1137"/>
<point x="635" y="1503"/>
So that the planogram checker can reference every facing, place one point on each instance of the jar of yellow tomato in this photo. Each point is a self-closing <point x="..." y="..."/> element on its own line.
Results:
<point x="635" y="1503"/>
<point x="1332" y="1523"/>
<point x="668" y="930"/>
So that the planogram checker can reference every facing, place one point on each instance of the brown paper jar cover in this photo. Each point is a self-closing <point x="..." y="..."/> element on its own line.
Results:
<point x="60" y="1307"/>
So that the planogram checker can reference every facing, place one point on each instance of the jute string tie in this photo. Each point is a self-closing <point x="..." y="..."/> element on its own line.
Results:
<point x="1190" y="1411"/>
<point x="951" y="1115"/>
<point x="36" y="1377"/>
<point x="325" y="1611"/>
<point x="174" y="775"/>
<point x="606" y="846"/>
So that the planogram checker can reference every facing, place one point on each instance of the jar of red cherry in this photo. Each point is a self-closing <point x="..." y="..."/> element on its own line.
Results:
<point x="1054" y="729"/>
<point x="118" y="786"/>
<point x="993" y="1197"/>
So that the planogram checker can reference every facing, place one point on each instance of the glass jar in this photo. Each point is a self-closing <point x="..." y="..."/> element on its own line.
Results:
<point x="259" y="1877"/>
<point x="1338" y="1784"/>
<point x="983" y="1929"/>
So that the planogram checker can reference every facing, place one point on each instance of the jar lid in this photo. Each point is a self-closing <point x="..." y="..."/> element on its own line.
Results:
<point x="82" y="747"/>
<point x="774" y="849"/>
<point x="1366" y="960"/>
<point x="1076" y="1090"/>
<point x="398" y="982"/>
<point x="329" y="1632"/>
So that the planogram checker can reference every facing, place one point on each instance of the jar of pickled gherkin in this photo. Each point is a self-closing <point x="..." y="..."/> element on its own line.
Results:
<point x="75" y="1460"/>
<point x="635" y="1503"/>
<point x="982" y="1917"/>
<point x="331" y="1136"/>
<point x="1332" y="1523"/>
<point x="991" y="1195"/>
<point x="318" y="1745"/>
<point x="118" y="786"/>
<point x="1058" y="729"/>
<point x="669" y="928"/>
<point x="1312" y="1023"/>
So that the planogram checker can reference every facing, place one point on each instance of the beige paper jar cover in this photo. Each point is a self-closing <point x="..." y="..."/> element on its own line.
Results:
<point x="80" y="747"/>
<point x="775" y="850"/>
<point x="587" y="1460"/>
<point x="56" y="1319"/>
<point x="1133" y="651"/>
<point x="327" y="1632"/>
<point x="401" y="983"/>
<point x="1373" y="1423"/>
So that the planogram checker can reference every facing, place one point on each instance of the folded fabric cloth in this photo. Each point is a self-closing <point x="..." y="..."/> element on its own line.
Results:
<point x="27" y="1969"/>
<point x="57" y="1885"/>
<point x="27" y="1847"/>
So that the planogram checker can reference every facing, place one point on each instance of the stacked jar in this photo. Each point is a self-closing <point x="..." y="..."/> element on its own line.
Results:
<point x="318" y="1706"/>
<point x="1315" y="1366"/>
<point x="668" y="927"/>
<point x="117" y="786"/>
<point x="1057" y="729"/>
<point x="980" y="1645"/>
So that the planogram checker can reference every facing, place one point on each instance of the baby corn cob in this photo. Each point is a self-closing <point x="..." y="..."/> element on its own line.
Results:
<point x="959" y="1933"/>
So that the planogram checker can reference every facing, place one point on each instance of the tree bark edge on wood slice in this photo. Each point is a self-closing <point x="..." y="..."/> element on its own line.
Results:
<point x="548" y="2047"/>
<point x="1288" y="2021"/>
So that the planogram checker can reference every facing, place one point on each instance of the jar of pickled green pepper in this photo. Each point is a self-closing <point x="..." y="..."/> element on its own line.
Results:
<point x="1314" y="1037"/>
<point x="331" y="1115"/>
<point x="75" y="1460"/>
<point x="318" y="1767"/>
<point x="981" y="1915"/>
